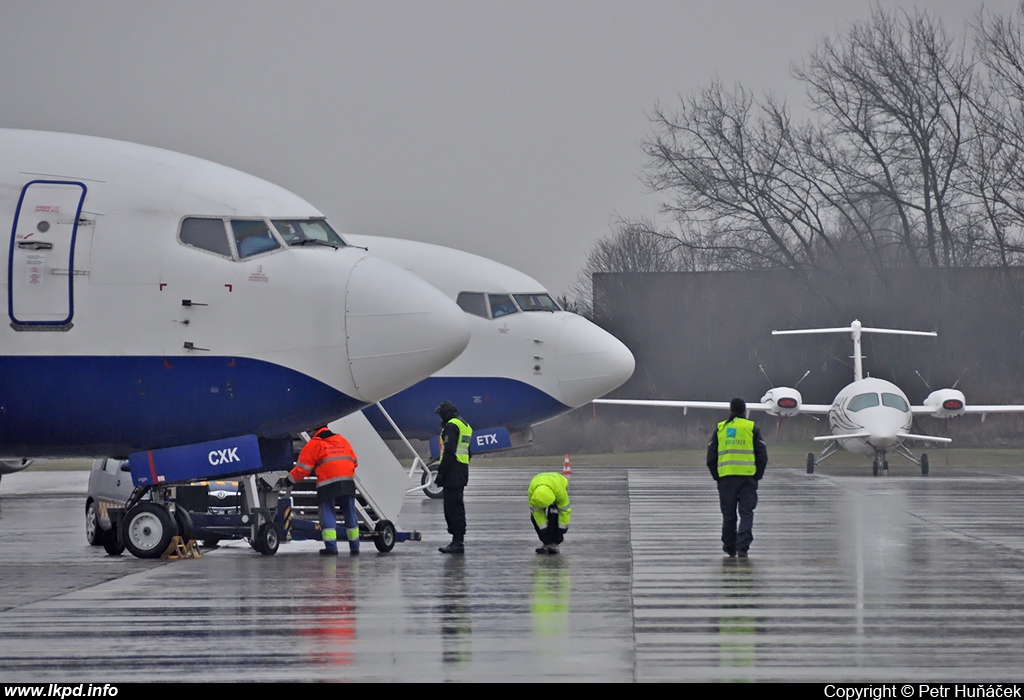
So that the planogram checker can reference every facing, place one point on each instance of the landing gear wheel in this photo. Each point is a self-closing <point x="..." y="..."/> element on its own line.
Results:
<point x="385" y="537"/>
<point x="429" y="480"/>
<point x="874" y="468"/>
<point x="885" y="467"/>
<point x="267" y="540"/>
<point x="810" y="462"/>
<point x="184" y="523"/>
<point x="924" y="465"/>
<point x="93" y="532"/>
<point x="148" y="529"/>
<point x="111" y="542"/>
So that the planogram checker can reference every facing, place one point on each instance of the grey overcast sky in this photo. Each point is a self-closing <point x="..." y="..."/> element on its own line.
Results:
<point x="511" y="129"/>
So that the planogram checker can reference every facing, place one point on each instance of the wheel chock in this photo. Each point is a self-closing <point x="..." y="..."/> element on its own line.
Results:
<point x="179" y="549"/>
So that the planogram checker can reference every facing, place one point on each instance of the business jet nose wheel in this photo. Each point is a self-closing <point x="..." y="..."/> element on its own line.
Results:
<point x="924" y="465"/>
<point x="810" y="462"/>
<point x="148" y="529"/>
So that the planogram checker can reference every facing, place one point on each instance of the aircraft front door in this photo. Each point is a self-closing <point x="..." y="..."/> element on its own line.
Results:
<point x="40" y="279"/>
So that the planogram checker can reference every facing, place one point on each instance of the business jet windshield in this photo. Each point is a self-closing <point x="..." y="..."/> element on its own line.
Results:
<point x="239" y="239"/>
<point x="496" y="305"/>
<point x="870" y="400"/>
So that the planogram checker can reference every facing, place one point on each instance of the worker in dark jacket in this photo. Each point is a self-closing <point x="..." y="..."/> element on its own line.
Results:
<point x="737" y="458"/>
<point x="453" y="473"/>
<point x="332" y="459"/>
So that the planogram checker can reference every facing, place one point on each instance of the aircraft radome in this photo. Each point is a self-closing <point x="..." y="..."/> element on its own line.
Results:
<point x="528" y="361"/>
<point x="156" y="300"/>
<point x="869" y="416"/>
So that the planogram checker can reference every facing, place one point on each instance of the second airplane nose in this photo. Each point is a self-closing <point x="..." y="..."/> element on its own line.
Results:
<point x="400" y="329"/>
<point x="591" y="361"/>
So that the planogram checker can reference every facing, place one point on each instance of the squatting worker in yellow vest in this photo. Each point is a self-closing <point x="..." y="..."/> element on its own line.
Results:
<point x="549" y="510"/>
<point x="453" y="473"/>
<point x="737" y="457"/>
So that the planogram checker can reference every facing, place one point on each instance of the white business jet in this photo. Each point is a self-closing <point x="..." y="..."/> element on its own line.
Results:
<point x="869" y="417"/>
<point x="528" y="361"/>
<point x="156" y="300"/>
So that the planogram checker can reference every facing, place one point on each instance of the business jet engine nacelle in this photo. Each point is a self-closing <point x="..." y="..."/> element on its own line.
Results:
<point x="782" y="401"/>
<point x="946" y="403"/>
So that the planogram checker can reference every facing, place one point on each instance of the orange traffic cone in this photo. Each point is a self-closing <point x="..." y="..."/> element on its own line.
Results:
<point x="566" y="468"/>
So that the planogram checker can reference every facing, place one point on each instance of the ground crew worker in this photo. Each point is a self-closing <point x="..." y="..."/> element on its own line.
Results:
<point x="332" y="459"/>
<point x="453" y="473"/>
<point x="549" y="510"/>
<point x="737" y="457"/>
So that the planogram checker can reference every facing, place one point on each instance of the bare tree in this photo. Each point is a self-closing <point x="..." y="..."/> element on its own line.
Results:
<point x="735" y="184"/>
<point x="996" y="168"/>
<point x="892" y="96"/>
<point x="634" y="246"/>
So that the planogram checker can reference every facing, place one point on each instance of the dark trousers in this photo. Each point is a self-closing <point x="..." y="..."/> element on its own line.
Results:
<point x="737" y="494"/>
<point x="551" y="533"/>
<point x="455" y="512"/>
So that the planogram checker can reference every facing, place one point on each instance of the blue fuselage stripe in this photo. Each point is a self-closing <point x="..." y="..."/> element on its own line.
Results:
<point x="103" y="405"/>
<point x="485" y="402"/>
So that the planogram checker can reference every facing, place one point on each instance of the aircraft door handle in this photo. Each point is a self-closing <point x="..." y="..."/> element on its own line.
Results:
<point x="35" y="245"/>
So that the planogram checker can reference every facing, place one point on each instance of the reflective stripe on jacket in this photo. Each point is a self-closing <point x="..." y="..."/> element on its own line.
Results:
<point x="555" y="484"/>
<point x="329" y="456"/>
<point x="736" y="448"/>
<point x="465" y="434"/>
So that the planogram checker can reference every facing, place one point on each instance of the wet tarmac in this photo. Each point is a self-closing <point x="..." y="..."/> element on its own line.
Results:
<point x="850" y="578"/>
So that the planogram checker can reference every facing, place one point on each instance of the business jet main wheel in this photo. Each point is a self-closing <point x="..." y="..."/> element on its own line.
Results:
<point x="267" y="540"/>
<point x="924" y="465"/>
<point x="885" y="467"/>
<point x="429" y="481"/>
<point x="874" y="468"/>
<point x="93" y="532"/>
<point x="148" y="529"/>
<point x="385" y="536"/>
<point x="112" y="543"/>
<point x="810" y="462"/>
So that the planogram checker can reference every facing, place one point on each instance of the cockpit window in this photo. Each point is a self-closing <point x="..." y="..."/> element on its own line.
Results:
<point x="205" y="234"/>
<point x="308" y="232"/>
<point x="501" y="305"/>
<point x="536" y="302"/>
<point x="252" y="237"/>
<point x="895" y="401"/>
<point x="473" y="303"/>
<point x="862" y="401"/>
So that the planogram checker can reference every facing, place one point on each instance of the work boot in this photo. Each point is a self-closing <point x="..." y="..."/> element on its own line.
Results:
<point x="353" y="552"/>
<point x="552" y="549"/>
<point x="454" y="547"/>
<point x="742" y="554"/>
<point x="328" y="552"/>
<point x="543" y="549"/>
<point x="729" y="551"/>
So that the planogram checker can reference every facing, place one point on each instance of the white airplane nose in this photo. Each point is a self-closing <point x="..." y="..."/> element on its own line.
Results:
<point x="882" y="439"/>
<point x="400" y="329"/>
<point x="591" y="361"/>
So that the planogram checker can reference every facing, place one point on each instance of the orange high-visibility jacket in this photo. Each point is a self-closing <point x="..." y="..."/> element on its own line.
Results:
<point x="329" y="456"/>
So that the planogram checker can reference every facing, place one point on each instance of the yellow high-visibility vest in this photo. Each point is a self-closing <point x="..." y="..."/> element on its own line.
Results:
<point x="465" y="434"/>
<point x="736" y="448"/>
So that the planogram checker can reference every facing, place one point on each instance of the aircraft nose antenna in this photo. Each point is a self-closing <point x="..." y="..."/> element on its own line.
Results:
<point x="400" y="329"/>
